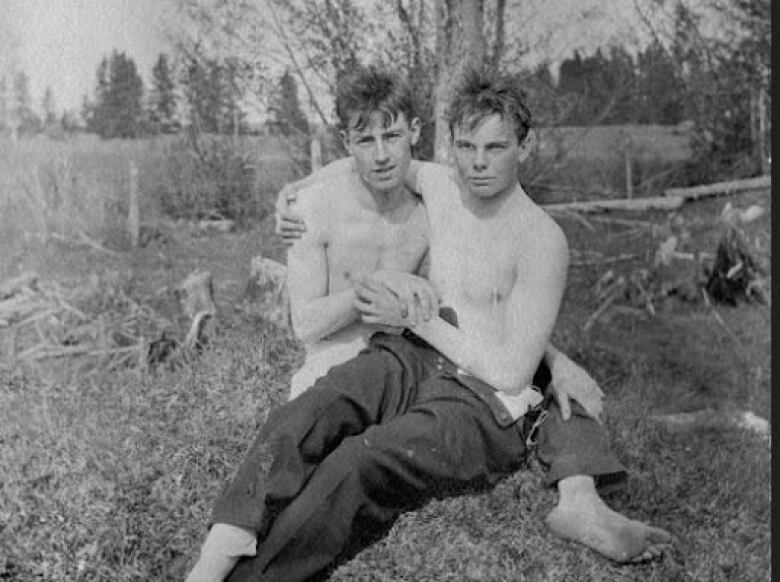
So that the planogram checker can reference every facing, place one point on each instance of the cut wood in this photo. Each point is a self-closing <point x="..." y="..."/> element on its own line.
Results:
<point x="223" y="225"/>
<point x="627" y="222"/>
<point x="267" y="285"/>
<point x="604" y="260"/>
<point x="21" y="306"/>
<point x="10" y="287"/>
<point x="720" y="188"/>
<point x="197" y="294"/>
<point x="680" y="421"/>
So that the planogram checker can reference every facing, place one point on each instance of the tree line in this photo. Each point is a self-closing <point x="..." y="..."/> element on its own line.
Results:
<point x="719" y="83"/>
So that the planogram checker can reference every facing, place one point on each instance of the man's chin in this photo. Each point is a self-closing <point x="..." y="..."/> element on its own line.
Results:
<point x="386" y="185"/>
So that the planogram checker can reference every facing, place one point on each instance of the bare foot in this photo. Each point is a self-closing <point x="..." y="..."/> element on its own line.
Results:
<point x="588" y="520"/>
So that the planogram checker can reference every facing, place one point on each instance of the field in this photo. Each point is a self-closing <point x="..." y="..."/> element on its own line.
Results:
<point x="111" y="475"/>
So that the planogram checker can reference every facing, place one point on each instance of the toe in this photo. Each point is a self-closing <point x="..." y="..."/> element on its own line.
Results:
<point x="656" y="535"/>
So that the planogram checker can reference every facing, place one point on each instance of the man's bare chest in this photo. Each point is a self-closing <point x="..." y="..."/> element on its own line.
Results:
<point x="481" y="266"/>
<point x="377" y="243"/>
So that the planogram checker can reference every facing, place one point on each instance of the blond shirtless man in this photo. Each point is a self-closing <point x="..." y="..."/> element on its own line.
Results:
<point x="362" y="219"/>
<point x="444" y="404"/>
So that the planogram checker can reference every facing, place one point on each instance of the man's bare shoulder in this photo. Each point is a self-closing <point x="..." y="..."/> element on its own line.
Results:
<point x="315" y="204"/>
<point x="437" y="186"/>
<point x="542" y="233"/>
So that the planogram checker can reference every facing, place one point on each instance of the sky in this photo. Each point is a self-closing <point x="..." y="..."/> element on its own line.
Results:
<point x="61" y="42"/>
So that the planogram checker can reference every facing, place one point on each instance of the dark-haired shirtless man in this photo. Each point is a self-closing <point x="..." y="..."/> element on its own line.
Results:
<point x="446" y="400"/>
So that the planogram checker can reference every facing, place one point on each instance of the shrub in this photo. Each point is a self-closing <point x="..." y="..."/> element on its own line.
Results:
<point x="213" y="177"/>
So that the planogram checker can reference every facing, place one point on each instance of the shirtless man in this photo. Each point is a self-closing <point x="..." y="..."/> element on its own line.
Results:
<point x="403" y="417"/>
<point x="362" y="220"/>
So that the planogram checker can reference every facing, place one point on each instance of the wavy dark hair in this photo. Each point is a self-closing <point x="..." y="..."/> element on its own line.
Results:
<point x="368" y="90"/>
<point x="482" y="94"/>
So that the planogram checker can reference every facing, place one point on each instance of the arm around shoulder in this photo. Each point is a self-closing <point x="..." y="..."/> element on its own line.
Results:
<point x="315" y="313"/>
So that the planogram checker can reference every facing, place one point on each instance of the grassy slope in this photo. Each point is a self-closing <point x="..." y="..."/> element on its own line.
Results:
<point x="113" y="478"/>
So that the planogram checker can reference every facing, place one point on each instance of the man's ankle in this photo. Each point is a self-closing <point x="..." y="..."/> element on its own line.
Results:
<point x="575" y="486"/>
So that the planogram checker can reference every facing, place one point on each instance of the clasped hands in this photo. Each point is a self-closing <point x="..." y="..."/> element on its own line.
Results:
<point x="395" y="299"/>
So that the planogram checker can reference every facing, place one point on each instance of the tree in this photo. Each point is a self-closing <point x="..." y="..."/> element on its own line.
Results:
<point x="48" y="106"/>
<point x="287" y="117"/>
<point x="51" y="125"/>
<point x="117" y="110"/>
<point x="5" y="109"/>
<point x="162" y="99"/>
<point x="659" y="91"/>
<point x="460" y="45"/>
<point x="27" y="122"/>
<point x="213" y="95"/>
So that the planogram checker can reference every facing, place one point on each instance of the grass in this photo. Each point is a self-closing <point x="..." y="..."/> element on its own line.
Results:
<point x="113" y="477"/>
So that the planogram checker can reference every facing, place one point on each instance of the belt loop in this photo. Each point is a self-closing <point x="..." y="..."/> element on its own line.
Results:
<point x="530" y="440"/>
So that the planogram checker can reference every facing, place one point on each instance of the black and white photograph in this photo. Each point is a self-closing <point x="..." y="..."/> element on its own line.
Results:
<point x="385" y="290"/>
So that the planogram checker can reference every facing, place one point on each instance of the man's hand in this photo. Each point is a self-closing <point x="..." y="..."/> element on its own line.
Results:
<point x="394" y="298"/>
<point x="418" y="299"/>
<point x="570" y="381"/>
<point x="289" y="224"/>
<point x="377" y="304"/>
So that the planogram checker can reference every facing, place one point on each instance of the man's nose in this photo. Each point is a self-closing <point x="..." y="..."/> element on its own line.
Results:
<point x="380" y="153"/>
<point x="480" y="161"/>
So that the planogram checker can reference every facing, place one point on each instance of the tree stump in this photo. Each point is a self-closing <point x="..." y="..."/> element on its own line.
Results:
<point x="197" y="302"/>
<point x="737" y="271"/>
<point x="267" y="286"/>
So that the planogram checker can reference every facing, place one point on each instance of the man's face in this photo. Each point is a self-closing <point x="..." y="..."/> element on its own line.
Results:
<point x="487" y="157"/>
<point x="382" y="152"/>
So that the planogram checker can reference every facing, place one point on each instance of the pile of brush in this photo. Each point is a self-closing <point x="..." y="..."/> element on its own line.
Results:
<point x="97" y="326"/>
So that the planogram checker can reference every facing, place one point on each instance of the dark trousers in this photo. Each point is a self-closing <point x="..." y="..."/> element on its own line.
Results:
<point x="393" y="424"/>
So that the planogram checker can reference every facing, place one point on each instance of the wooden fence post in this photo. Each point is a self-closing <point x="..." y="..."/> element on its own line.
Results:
<point x="316" y="152"/>
<point x="133" y="216"/>
<point x="625" y="141"/>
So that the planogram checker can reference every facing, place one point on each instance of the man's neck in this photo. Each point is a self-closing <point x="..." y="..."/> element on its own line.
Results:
<point x="490" y="206"/>
<point x="384" y="201"/>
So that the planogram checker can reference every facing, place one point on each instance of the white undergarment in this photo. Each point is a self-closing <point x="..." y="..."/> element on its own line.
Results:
<point x="321" y="357"/>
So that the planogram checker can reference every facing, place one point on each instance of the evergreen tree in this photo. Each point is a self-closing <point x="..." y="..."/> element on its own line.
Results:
<point x="4" y="105"/>
<point x="659" y="91"/>
<point x="213" y="96"/>
<point x="51" y="123"/>
<point x="162" y="100"/>
<point x="117" y="110"/>
<point x="27" y="121"/>
<point x="48" y="106"/>
<point x="287" y="116"/>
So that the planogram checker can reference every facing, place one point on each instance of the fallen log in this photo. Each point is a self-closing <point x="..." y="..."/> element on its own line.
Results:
<point x="672" y="199"/>
<point x="630" y="205"/>
<point x="720" y="188"/>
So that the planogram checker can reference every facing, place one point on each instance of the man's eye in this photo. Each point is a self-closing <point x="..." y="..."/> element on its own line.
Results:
<point x="496" y="147"/>
<point x="465" y="147"/>
<point x="393" y="136"/>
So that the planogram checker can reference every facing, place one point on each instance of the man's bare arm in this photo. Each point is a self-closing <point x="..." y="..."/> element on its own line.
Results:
<point x="509" y="363"/>
<point x="315" y="314"/>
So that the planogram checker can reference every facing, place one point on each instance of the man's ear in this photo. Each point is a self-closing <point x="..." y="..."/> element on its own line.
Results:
<point x="528" y="145"/>
<point x="344" y="135"/>
<point x="414" y="128"/>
